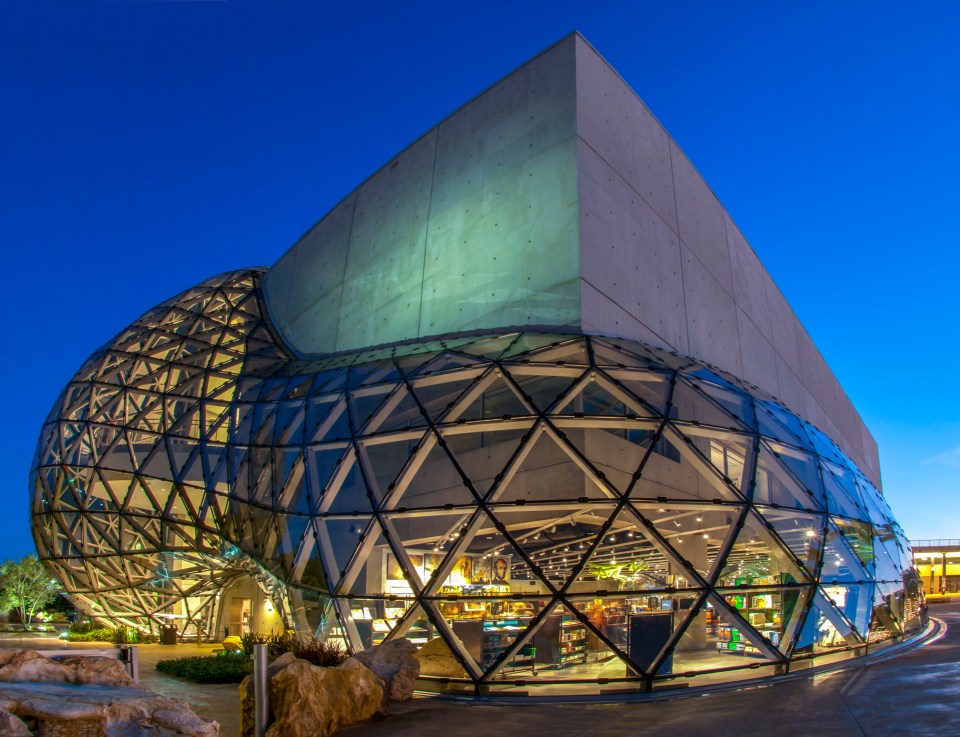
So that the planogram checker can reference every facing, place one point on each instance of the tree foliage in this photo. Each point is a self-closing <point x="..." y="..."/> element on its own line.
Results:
<point x="26" y="587"/>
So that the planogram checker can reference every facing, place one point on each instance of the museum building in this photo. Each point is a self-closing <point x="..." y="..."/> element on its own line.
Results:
<point x="526" y="397"/>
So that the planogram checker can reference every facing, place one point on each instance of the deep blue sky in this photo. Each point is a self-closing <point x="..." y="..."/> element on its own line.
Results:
<point x="145" y="146"/>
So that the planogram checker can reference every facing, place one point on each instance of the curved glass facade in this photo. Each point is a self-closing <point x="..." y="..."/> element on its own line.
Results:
<point x="534" y="510"/>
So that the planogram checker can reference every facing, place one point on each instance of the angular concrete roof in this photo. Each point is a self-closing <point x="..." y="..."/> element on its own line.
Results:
<point x="554" y="199"/>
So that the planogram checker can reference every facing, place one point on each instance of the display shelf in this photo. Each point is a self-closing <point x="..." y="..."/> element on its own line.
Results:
<point x="561" y="641"/>
<point x="732" y="640"/>
<point x="487" y="640"/>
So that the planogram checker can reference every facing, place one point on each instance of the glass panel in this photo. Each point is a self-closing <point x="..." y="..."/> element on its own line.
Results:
<point x="887" y="612"/>
<point x="629" y="558"/>
<point x="426" y="538"/>
<point x="855" y="601"/>
<point x="887" y="567"/>
<point x="696" y="534"/>
<point x="729" y="454"/>
<point x="544" y="392"/>
<point x="617" y="355"/>
<point x="841" y="491"/>
<point x="777" y="424"/>
<point x="859" y="535"/>
<point x="338" y="541"/>
<point x="824" y="630"/>
<point x="691" y="404"/>
<point x="734" y="401"/>
<point x="350" y="493"/>
<point x="559" y="352"/>
<point x="757" y="559"/>
<point x="363" y="405"/>
<point x="383" y="463"/>
<point x="777" y="486"/>
<point x="546" y="473"/>
<point x="803" y="466"/>
<point x="600" y="398"/>
<point x="716" y="638"/>
<point x="839" y="562"/>
<point x="877" y="509"/>
<point x="495" y="398"/>
<point x="485" y="455"/>
<point x="775" y="613"/>
<point x="677" y="472"/>
<point x="431" y="480"/>
<point x="649" y="390"/>
<point x="439" y="394"/>
<point x="399" y="412"/>
<point x="802" y="533"/>
<point x="614" y="448"/>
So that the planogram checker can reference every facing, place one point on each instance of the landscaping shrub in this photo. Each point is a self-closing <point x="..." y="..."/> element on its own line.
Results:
<point x="100" y="634"/>
<point x="311" y="649"/>
<point x="88" y="632"/>
<point x="318" y="652"/>
<point x="220" y="668"/>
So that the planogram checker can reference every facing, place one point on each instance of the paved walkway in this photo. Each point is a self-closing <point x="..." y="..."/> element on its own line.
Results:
<point x="915" y="694"/>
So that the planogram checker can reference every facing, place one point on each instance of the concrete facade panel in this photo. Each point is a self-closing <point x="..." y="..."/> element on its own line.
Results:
<point x="790" y="389"/>
<point x="604" y="317"/>
<point x="783" y="326"/>
<point x="309" y="272"/>
<point x="510" y="248"/>
<point x="811" y="366"/>
<point x="384" y="271"/>
<point x="749" y="280"/>
<point x="711" y="316"/>
<point x="700" y="217"/>
<point x="628" y="252"/>
<point x="757" y="355"/>
<point x="614" y="122"/>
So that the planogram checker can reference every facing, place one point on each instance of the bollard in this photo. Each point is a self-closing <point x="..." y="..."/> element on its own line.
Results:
<point x="261" y="691"/>
<point x="129" y="656"/>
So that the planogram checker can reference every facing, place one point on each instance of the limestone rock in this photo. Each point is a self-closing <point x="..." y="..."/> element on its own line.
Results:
<point x="396" y="663"/>
<point x="31" y="666"/>
<point x="310" y="701"/>
<point x="10" y="726"/>
<point x="70" y="710"/>
<point x="247" y="704"/>
<point x="436" y="659"/>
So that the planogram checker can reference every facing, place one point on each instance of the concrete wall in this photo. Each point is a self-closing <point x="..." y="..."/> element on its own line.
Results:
<point x="661" y="261"/>
<point x="555" y="198"/>
<point x="473" y="225"/>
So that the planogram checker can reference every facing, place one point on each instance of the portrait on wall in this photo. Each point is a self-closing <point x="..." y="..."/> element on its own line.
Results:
<point x="500" y="571"/>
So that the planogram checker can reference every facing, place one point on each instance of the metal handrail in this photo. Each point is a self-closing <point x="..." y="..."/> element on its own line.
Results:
<point x="941" y="543"/>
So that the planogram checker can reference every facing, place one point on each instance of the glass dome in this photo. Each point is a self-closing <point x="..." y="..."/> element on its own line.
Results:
<point x="535" y="511"/>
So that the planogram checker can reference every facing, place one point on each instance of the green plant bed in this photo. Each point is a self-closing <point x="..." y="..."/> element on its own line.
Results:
<point x="102" y="634"/>
<point x="117" y="635"/>
<point x="311" y="649"/>
<point x="222" y="668"/>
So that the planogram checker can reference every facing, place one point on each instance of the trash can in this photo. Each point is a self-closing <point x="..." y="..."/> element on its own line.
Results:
<point x="168" y="634"/>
